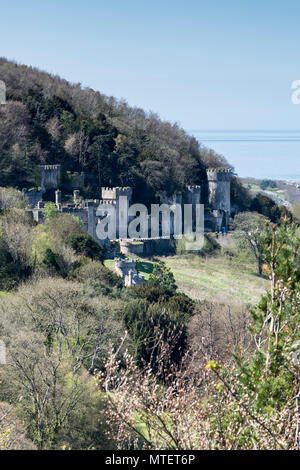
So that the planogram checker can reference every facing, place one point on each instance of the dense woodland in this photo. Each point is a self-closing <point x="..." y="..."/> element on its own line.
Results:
<point x="94" y="365"/>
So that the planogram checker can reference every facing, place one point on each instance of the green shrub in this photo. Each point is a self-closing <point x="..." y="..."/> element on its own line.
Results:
<point x="50" y="211"/>
<point x="163" y="277"/>
<point x="147" y="323"/>
<point x="181" y="303"/>
<point x="97" y="275"/>
<point x="84" y="244"/>
<point x="11" y="273"/>
<point x="50" y="259"/>
<point x="151" y="293"/>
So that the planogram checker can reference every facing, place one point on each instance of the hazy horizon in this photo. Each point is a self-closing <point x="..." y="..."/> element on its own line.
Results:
<point x="256" y="153"/>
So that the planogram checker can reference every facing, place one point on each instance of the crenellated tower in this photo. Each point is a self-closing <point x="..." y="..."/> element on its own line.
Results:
<point x="219" y="196"/>
<point x="111" y="196"/>
<point x="219" y="189"/>
<point x="50" y="177"/>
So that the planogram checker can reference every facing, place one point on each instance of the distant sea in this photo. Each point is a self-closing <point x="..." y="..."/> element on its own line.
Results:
<point x="268" y="153"/>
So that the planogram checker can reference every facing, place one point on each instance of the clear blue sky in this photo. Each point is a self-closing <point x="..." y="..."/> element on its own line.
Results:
<point x="207" y="64"/>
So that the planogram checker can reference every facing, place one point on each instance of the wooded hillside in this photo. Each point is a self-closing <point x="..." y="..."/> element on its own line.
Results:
<point x="48" y="120"/>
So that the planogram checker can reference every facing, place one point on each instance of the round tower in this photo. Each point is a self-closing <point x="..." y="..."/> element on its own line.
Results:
<point x="219" y="189"/>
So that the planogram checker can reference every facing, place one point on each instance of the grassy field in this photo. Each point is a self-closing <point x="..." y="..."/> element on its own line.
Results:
<point x="218" y="278"/>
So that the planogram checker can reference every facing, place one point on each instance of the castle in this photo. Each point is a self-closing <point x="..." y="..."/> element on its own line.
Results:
<point x="217" y="207"/>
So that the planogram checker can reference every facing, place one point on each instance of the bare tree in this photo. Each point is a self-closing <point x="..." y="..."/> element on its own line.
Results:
<point x="248" y="227"/>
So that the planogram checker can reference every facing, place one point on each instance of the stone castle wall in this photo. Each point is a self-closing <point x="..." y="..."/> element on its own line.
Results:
<point x="216" y="216"/>
<point x="33" y="197"/>
<point x="50" y="177"/>
<point x="148" y="247"/>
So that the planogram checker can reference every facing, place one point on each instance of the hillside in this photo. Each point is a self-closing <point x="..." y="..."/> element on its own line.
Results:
<point x="216" y="278"/>
<point x="47" y="121"/>
<point x="285" y="192"/>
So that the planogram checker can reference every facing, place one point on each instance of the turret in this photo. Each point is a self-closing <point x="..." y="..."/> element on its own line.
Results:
<point x="219" y="189"/>
<point x="113" y="194"/>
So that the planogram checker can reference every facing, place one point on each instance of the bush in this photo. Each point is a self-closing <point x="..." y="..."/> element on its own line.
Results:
<point x="11" y="198"/>
<point x="98" y="274"/>
<point x="267" y="184"/>
<point x="84" y="244"/>
<point x="50" y="259"/>
<point x="181" y="303"/>
<point x="151" y="293"/>
<point x="163" y="277"/>
<point x="64" y="226"/>
<point x="148" y="324"/>
<point x="171" y="301"/>
<point x="10" y="272"/>
<point x="50" y="211"/>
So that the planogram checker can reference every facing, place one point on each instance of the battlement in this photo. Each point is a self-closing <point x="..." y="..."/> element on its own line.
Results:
<point x="107" y="202"/>
<point x="125" y="264"/>
<point x="220" y="169"/>
<point x="115" y="193"/>
<point x="219" y="174"/>
<point x="73" y="210"/>
<point x="50" y="167"/>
